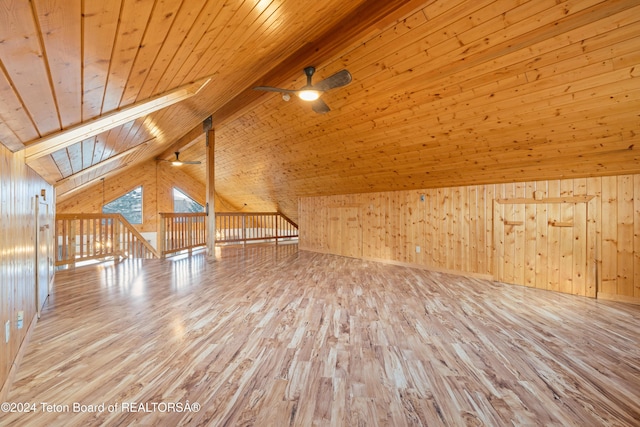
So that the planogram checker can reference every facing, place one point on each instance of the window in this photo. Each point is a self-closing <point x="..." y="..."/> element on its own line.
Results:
<point x="129" y="205"/>
<point x="185" y="204"/>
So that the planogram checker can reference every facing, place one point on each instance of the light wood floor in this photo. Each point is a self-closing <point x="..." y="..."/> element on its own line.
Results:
<point x="271" y="336"/>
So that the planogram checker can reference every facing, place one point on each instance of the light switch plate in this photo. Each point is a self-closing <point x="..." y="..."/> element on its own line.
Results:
<point x="20" y="321"/>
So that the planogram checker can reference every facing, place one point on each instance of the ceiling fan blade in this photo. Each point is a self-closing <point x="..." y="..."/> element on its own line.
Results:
<point x="319" y="106"/>
<point x="274" y="89"/>
<point x="177" y="160"/>
<point x="341" y="78"/>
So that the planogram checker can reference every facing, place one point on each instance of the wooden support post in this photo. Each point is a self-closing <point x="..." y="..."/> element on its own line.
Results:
<point x="211" y="211"/>
<point x="72" y="243"/>
<point x="161" y="233"/>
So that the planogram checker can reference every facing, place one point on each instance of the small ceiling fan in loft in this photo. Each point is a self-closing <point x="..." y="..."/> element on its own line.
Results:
<point x="178" y="162"/>
<point x="312" y="92"/>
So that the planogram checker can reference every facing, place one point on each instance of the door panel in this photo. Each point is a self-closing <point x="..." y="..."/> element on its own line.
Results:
<point x="43" y="260"/>
<point x="542" y="245"/>
<point x="345" y="231"/>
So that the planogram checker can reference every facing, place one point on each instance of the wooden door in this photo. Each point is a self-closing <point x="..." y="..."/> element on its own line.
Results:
<point x="43" y="257"/>
<point x="345" y="231"/>
<point x="543" y="245"/>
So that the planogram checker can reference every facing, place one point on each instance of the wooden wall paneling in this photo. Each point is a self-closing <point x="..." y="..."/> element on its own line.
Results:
<point x="636" y="233"/>
<point x="19" y="186"/>
<point x="530" y="241"/>
<point x="594" y="233"/>
<point x="583" y="258"/>
<point x="499" y="240"/>
<point x="386" y="229"/>
<point x="519" y="211"/>
<point x="553" y="238"/>
<point x="398" y="227"/>
<point x="625" y="255"/>
<point x="443" y="224"/>
<point x="369" y="228"/>
<point x="509" y="218"/>
<point x="334" y="231"/>
<point x="609" y="245"/>
<point x="567" y="212"/>
<point x="452" y="215"/>
<point x="157" y="180"/>
<point x="542" y="245"/>
<point x="577" y="255"/>
<point x="413" y="211"/>
<point x="489" y="196"/>
<point x="351" y="218"/>
<point x="466" y="227"/>
<point x="460" y="229"/>
<point x="472" y="217"/>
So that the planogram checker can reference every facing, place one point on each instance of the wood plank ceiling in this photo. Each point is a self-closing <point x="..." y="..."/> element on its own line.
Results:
<point x="444" y="92"/>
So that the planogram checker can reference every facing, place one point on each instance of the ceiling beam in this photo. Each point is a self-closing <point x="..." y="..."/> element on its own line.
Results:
<point x="59" y="140"/>
<point x="371" y="14"/>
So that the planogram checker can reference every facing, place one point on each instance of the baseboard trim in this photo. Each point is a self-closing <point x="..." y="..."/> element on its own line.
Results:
<point x="618" y="298"/>
<point x="4" y="392"/>
<point x="411" y="265"/>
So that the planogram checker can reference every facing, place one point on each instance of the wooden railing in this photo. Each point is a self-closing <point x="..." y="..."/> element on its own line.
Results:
<point x="187" y="231"/>
<point x="181" y="231"/>
<point x="240" y="227"/>
<point x="85" y="237"/>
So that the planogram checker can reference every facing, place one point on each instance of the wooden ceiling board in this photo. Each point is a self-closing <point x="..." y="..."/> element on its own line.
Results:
<point x="444" y="93"/>
<point x="160" y="23"/>
<point x="100" y="26"/>
<point x="15" y="124"/>
<point x="26" y="70"/>
<point x="184" y="56"/>
<point x="132" y="24"/>
<point x="61" y="28"/>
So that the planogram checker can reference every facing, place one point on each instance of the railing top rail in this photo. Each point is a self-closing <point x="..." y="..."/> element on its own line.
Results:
<point x="286" y="218"/>
<point x="180" y="215"/>
<point x="115" y="216"/>
<point x="247" y="213"/>
<point x="139" y="236"/>
<point x="87" y="216"/>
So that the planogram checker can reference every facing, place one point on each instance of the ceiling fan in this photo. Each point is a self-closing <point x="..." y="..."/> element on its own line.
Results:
<point x="311" y="92"/>
<point x="178" y="162"/>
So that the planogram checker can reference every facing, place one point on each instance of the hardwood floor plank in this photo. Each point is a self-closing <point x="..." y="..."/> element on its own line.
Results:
<point x="268" y="335"/>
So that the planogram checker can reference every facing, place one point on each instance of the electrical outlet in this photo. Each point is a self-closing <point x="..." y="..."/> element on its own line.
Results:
<point x="20" y="321"/>
<point x="7" y="331"/>
<point x="422" y="198"/>
<point x="417" y="249"/>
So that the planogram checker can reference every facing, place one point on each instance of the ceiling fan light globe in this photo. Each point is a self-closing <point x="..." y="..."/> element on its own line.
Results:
<point x="308" y="95"/>
<point x="176" y="163"/>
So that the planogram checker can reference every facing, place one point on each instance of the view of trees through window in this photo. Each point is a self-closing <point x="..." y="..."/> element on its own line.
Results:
<point x="129" y="205"/>
<point x="185" y="204"/>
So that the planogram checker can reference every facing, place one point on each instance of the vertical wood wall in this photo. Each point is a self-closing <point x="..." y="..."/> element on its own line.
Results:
<point x="454" y="227"/>
<point x="19" y="186"/>
<point x="157" y="181"/>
